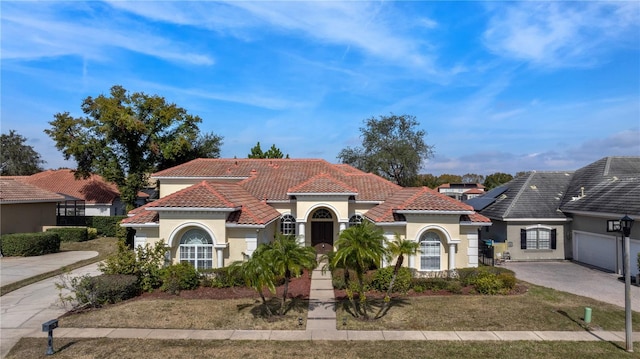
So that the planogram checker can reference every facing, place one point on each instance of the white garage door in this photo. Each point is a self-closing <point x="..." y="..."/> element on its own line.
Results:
<point x="595" y="250"/>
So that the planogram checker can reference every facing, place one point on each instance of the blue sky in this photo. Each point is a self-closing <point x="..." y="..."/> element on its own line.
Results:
<point x="498" y="86"/>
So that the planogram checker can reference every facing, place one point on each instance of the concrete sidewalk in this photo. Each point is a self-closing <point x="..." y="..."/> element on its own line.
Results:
<point x="13" y="269"/>
<point x="334" y="335"/>
<point x="322" y="302"/>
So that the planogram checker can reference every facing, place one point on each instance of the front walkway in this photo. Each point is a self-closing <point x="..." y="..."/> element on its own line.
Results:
<point x="322" y="302"/>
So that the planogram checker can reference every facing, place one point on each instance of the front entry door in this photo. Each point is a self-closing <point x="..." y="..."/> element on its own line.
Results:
<point x="322" y="236"/>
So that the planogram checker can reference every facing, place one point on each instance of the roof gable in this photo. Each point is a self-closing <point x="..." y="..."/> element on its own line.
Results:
<point x="322" y="183"/>
<point x="93" y="190"/>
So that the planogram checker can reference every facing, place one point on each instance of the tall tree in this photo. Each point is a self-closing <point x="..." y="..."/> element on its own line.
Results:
<point x="257" y="273"/>
<point x="272" y="152"/>
<point x="397" y="248"/>
<point x="449" y="178"/>
<point x="124" y="137"/>
<point x="288" y="259"/>
<point x="358" y="248"/>
<point x="392" y="147"/>
<point x="16" y="157"/>
<point x="496" y="179"/>
<point x="207" y="145"/>
<point x="472" y="178"/>
<point x="428" y="180"/>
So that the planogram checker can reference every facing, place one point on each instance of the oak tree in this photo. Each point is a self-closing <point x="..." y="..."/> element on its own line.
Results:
<point x="392" y="147"/>
<point x="16" y="157"/>
<point x="124" y="137"/>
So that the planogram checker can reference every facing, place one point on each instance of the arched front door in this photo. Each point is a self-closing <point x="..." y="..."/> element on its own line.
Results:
<point x="322" y="231"/>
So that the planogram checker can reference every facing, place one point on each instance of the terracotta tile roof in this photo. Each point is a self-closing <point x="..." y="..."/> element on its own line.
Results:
<point x="415" y="199"/>
<point x="323" y="183"/>
<point x="15" y="191"/>
<point x="244" y="207"/>
<point x="271" y="179"/>
<point x="475" y="218"/>
<point x="92" y="190"/>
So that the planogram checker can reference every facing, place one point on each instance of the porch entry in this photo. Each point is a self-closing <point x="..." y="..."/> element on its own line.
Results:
<point x="322" y="236"/>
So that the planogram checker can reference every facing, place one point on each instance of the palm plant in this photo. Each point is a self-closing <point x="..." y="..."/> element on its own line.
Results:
<point x="397" y="248"/>
<point x="288" y="259"/>
<point x="358" y="248"/>
<point x="258" y="274"/>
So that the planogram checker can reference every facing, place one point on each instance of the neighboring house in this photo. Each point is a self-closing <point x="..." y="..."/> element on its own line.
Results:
<point x="525" y="213"/>
<point x="461" y="191"/>
<point x="564" y="214"/>
<point x="607" y="189"/>
<point x="92" y="196"/>
<point x="212" y="212"/>
<point x="25" y="208"/>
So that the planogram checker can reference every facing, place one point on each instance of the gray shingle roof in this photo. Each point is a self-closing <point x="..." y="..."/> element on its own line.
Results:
<point x="534" y="195"/>
<point x="609" y="185"/>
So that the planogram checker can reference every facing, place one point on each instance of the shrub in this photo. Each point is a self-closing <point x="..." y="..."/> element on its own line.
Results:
<point x="488" y="284"/>
<point x="434" y="284"/>
<point x="100" y="290"/>
<point x="382" y="279"/>
<point x="71" y="234"/>
<point x="106" y="225"/>
<point x="454" y="287"/>
<point x="177" y="277"/>
<point x="92" y="233"/>
<point x="508" y="281"/>
<point x="225" y="277"/>
<point x="145" y="263"/>
<point x="29" y="244"/>
<point x="468" y="276"/>
<point x="418" y="288"/>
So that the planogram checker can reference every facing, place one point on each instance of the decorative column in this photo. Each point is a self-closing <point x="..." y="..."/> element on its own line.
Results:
<point x="343" y="226"/>
<point x="301" y="232"/>
<point x="452" y="256"/>
<point x="220" y="255"/>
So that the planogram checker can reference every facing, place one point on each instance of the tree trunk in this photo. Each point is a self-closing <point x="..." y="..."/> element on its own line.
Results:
<point x="266" y="305"/>
<point x="362" y="296"/>
<point x="387" y="299"/>
<point x="286" y="291"/>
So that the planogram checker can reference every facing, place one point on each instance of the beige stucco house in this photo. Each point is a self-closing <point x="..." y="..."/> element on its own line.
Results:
<point x="25" y="208"/>
<point x="212" y="212"/>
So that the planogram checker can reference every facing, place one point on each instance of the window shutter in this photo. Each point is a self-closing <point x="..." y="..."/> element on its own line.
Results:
<point x="554" y="241"/>
<point x="523" y="239"/>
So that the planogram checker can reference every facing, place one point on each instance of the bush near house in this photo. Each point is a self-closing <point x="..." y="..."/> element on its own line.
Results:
<point x="71" y="234"/>
<point x="178" y="277"/>
<point x="106" y="225"/>
<point x="29" y="244"/>
<point x="97" y="291"/>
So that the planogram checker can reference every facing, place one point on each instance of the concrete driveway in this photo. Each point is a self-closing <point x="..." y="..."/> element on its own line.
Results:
<point x="24" y="310"/>
<point x="576" y="279"/>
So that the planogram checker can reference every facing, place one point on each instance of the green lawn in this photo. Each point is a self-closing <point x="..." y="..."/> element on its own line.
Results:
<point x="68" y="348"/>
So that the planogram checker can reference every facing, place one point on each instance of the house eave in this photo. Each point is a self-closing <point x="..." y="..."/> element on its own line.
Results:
<point x="536" y="219"/>
<point x="476" y="224"/>
<point x="406" y="211"/>
<point x="140" y="225"/>
<point x="193" y="209"/>
<point x="297" y="194"/>
<point x="391" y="224"/>
<point x="602" y="214"/>
<point x="32" y="201"/>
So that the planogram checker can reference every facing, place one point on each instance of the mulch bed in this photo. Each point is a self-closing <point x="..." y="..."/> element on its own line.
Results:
<point x="299" y="288"/>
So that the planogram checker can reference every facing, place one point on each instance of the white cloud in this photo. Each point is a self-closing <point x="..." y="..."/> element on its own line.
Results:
<point x="38" y="30"/>
<point x="561" y="34"/>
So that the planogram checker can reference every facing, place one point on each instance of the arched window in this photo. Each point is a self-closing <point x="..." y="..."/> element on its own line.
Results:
<point x="430" y="251"/>
<point x="196" y="247"/>
<point x="355" y="220"/>
<point x="287" y="224"/>
<point x="322" y="214"/>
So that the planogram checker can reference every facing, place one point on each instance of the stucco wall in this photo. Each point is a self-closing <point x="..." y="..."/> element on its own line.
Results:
<point x="513" y="242"/>
<point x="26" y="217"/>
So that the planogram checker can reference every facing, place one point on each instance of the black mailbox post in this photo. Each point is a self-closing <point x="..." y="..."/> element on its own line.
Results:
<point x="49" y="327"/>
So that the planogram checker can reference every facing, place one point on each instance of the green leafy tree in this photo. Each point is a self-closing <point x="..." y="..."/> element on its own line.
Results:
<point x="258" y="274"/>
<point x="397" y="248"/>
<point x="124" y="137"/>
<point x="392" y="147"/>
<point x="358" y="248"/>
<point x="273" y="152"/>
<point x="16" y="157"/>
<point x="205" y="146"/>
<point x="288" y="259"/>
<point x="496" y="179"/>
<point x="427" y="180"/>
<point x="449" y="178"/>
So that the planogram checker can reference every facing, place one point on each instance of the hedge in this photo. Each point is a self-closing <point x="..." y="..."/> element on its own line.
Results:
<point x="106" y="289"/>
<point x="71" y="234"/>
<point x="29" y="244"/>
<point x="106" y="225"/>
